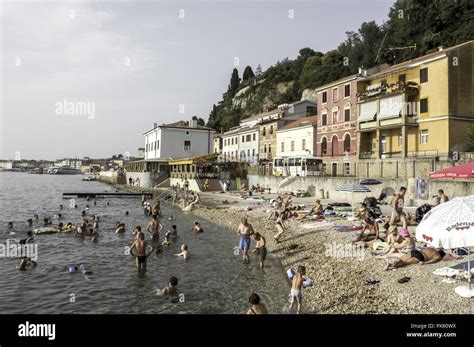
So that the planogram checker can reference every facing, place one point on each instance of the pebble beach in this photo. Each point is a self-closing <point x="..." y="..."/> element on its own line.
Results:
<point x="340" y="282"/>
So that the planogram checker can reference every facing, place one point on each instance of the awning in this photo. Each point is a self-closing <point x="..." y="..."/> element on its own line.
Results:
<point x="193" y="160"/>
<point x="368" y="110"/>
<point x="465" y="171"/>
<point x="391" y="107"/>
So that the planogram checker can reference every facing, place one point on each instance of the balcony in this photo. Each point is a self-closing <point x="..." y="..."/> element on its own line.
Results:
<point x="383" y="89"/>
<point x="422" y="154"/>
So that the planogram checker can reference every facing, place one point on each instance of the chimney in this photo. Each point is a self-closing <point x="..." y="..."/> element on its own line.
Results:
<point x="194" y="122"/>
<point x="155" y="125"/>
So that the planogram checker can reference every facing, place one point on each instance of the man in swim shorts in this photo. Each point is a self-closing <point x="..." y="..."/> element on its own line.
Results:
<point x="245" y="231"/>
<point x="140" y="245"/>
<point x="260" y="248"/>
<point x="154" y="228"/>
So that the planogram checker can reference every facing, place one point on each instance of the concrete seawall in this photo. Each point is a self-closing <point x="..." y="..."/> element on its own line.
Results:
<point x="111" y="177"/>
<point x="314" y="185"/>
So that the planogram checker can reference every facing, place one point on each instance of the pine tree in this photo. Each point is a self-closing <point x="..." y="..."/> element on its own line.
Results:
<point x="234" y="83"/>
<point x="258" y="71"/>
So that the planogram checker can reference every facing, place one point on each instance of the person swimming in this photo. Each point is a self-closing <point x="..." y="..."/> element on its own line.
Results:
<point x="120" y="228"/>
<point x="29" y="238"/>
<point x="29" y="222"/>
<point x="171" y="290"/>
<point x="167" y="241"/>
<point x="10" y="225"/>
<point x="184" y="252"/>
<point x="47" y="221"/>
<point x="24" y="262"/>
<point x="173" y="232"/>
<point x="197" y="228"/>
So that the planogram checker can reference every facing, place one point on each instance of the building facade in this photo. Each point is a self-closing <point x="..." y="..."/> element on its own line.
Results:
<point x="248" y="144"/>
<point x="230" y="145"/>
<point x="419" y="108"/>
<point x="178" y="140"/>
<point x="297" y="138"/>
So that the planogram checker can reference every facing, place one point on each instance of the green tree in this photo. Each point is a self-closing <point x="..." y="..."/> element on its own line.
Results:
<point x="234" y="83"/>
<point x="248" y="73"/>
<point x="258" y="71"/>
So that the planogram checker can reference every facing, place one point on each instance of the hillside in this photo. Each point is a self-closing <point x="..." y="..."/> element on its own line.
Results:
<point x="413" y="28"/>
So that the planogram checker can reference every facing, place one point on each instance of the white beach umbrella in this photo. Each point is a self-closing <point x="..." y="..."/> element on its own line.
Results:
<point x="450" y="225"/>
<point x="353" y="188"/>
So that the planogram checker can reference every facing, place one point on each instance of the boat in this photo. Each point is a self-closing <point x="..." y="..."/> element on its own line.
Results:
<point x="65" y="170"/>
<point x="37" y="170"/>
<point x="90" y="177"/>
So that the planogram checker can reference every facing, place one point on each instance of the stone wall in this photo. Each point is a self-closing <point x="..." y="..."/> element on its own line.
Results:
<point x="314" y="185"/>
<point x="111" y="177"/>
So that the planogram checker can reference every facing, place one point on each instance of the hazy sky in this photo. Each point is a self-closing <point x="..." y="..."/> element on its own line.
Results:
<point x="134" y="63"/>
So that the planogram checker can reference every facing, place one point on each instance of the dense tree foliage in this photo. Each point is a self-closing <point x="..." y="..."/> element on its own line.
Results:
<point x="413" y="28"/>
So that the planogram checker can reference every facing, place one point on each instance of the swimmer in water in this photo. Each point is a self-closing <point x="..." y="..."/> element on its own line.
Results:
<point x="141" y="246"/>
<point x="35" y="216"/>
<point x="94" y="235"/>
<point x="197" y="228"/>
<point x="60" y="227"/>
<point x="126" y="213"/>
<point x="171" y="218"/>
<point x="184" y="252"/>
<point x="154" y="228"/>
<point x="47" y="221"/>
<point x="167" y="241"/>
<point x="136" y="232"/>
<point x="120" y="228"/>
<point x="173" y="232"/>
<point x="24" y="262"/>
<point x="83" y="213"/>
<point x="29" y="222"/>
<point x="10" y="225"/>
<point x="60" y="216"/>
<point x="61" y="207"/>
<point x="171" y="290"/>
<point x="29" y="238"/>
<point x="75" y="206"/>
<point x="82" y="229"/>
<point x="68" y="228"/>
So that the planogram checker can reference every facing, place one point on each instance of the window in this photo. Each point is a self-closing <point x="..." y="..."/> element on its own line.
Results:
<point x="271" y="129"/>
<point x="248" y="153"/>
<point x="347" y="90"/>
<point x="424" y="105"/>
<point x="323" y="167"/>
<point x="347" y="143"/>
<point x="400" y="139"/>
<point x="187" y="145"/>
<point x="324" y="119"/>
<point x="248" y="138"/>
<point x="282" y="146"/>
<point x="253" y="152"/>
<point x="383" y="144"/>
<point x="269" y="149"/>
<point x="324" y="147"/>
<point x="264" y="131"/>
<point x="264" y="148"/>
<point x="402" y="78"/>
<point x="334" y="117"/>
<point x="292" y="146"/>
<point x="303" y="144"/>
<point x="232" y="141"/>
<point x="424" y="136"/>
<point x="254" y="137"/>
<point x="347" y="115"/>
<point x="347" y="169"/>
<point x="424" y="75"/>
<point x="157" y="145"/>
<point x="335" y="94"/>
<point x="243" y="138"/>
<point x="187" y="132"/>
<point x="324" y="97"/>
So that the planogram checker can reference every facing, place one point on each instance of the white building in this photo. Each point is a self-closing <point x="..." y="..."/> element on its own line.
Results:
<point x="230" y="144"/>
<point x="297" y="138"/>
<point x="6" y="165"/>
<point x="73" y="163"/>
<point x="248" y="144"/>
<point x="178" y="140"/>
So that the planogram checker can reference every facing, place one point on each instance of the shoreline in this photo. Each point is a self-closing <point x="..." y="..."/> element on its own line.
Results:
<point x="339" y="282"/>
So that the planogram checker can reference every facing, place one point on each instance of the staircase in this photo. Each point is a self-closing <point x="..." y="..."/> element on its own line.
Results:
<point x="163" y="184"/>
<point x="214" y="185"/>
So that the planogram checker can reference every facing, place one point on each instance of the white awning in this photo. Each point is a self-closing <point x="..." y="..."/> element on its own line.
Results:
<point x="391" y="107"/>
<point x="368" y="111"/>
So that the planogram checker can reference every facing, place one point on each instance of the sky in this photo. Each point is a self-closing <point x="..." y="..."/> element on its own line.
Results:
<point x="84" y="78"/>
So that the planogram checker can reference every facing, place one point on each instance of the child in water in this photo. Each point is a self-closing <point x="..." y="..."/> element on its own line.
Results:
<point x="167" y="241"/>
<point x="184" y="252"/>
<point x="296" y="289"/>
<point x="171" y="290"/>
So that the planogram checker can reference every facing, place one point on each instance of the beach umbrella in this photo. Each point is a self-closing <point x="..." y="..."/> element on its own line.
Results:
<point x="370" y="182"/>
<point x="451" y="225"/>
<point x="353" y="188"/>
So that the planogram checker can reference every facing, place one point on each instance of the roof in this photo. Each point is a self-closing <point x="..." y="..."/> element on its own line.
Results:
<point x="180" y="125"/>
<point x="302" y="122"/>
<point x="336" y="82"/>
<point x="461" y="171"/>
<point x="407" y="64"/>
<point x="193" y="160"/>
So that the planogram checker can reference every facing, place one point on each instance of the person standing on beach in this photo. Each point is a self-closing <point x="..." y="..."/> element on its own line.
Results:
<point x="296" y="289"/>
<point x="397" y="208"/>
<point x="279" y="225"/>
<point x="260" y="248"/>
<point x="141" y="247"/>
<point x="245" y="231"/>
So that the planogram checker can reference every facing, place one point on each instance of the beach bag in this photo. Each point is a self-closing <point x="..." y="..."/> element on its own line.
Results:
<point x="421" y="211"/>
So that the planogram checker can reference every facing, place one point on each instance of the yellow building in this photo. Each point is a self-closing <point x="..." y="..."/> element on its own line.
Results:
<point x="419" y="108"/>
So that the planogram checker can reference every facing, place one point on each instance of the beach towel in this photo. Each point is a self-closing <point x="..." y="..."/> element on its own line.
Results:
<point x="345" y="228"/>
<point x="351" y="234"/>
<point x="317" y="225"/>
